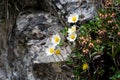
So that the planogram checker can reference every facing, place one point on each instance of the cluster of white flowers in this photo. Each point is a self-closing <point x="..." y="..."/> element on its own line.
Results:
<point x="73" y="18"/>
<point x="55" y="40"/>
<point x="72" y="33"/>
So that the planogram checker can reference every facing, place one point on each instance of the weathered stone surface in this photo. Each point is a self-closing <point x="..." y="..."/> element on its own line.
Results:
<point x="33" y="34"/>
<point x="84" y="8"/>
<point x="2" y="74"/>
<point x="51" y="72"/>
<point x="36" y="30"/>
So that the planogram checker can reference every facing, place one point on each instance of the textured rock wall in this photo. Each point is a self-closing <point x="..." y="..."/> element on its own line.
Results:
<point x="36" y="29"/>
<point x="33" y="34"/>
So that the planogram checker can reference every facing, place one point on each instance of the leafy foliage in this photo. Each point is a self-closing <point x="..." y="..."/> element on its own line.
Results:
<point x="98" y="43"/>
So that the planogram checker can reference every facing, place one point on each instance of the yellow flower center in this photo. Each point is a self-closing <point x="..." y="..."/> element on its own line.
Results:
<point x="85" y="66"/>
<point x="56" y="39"/>
<point x="57" y="52"/>
<point x="72" y="36"/>
<point x="73" y="29"/>
<point x="74" y="18"/>
<point x="51" y="50"/>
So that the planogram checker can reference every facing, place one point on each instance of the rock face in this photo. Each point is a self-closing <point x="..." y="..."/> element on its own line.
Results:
<point x="85" y="8"/>
<point x="32" y="35"/>
<point x="36" y="30"/>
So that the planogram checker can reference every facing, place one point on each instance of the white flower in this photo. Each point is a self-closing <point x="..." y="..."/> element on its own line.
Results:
<point x="72" y="29"/>
<point x="71" y="37"/>
<point x="73" y="18"/>
<point x="56" y="39"/>
<point x="50" y="50"/>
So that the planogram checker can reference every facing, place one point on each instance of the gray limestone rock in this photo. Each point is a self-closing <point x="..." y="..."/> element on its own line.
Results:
<point x="86" y="9"/>
<point x="2" y="74"/>
<point x="36" y="30"/>
<point x="33" y="35"/>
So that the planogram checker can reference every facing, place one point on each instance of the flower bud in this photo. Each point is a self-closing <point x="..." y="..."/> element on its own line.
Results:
<point x="98" y="41"/>
<point x="85" y="51"/>
<point x="91" y="45"/>
<point x="84" y="43"/>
